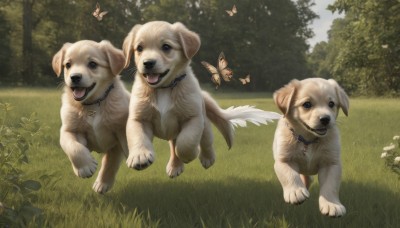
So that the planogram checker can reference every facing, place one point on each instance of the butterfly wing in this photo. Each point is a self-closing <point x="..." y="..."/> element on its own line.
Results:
<point x="96" y="12"/>
<point x="225" y="72"/>
<point x="215" y="78"/>
<point x="245" y="80"/>
<point x="234" y="10"/>
<point x="100" y="17"/>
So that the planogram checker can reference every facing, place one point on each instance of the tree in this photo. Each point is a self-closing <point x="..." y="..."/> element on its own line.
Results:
<point x="368" y="56"/>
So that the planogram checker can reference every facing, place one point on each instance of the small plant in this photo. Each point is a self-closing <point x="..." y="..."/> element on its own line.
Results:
<point x="17" y="193"/>
<point x="391" y="154"/>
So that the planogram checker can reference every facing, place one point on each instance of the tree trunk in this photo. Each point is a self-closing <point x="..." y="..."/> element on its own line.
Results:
<point x="27" y="68"/>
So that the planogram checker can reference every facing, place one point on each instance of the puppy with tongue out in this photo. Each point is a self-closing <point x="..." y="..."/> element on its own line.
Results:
<point x="167" y="101"/>
<point x="94" y="108"/>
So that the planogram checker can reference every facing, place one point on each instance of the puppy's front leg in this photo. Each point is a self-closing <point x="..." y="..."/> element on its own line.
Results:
<point x="188" y="140"/>
<point x="74" y="145"/>
<point x="141" y="151"/>
<point x="329" y="180"/>
<point x="294" y="190"/>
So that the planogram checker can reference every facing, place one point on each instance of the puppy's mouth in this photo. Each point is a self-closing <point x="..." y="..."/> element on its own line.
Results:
<point x="154" y="78"/>
<point x="319" y="131"/>
<point x="80" y="93"/>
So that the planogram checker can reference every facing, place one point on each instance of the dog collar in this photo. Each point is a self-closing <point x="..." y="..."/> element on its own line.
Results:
<point x="300" y="138"/>
<point x="174" y="82"/>
<point x="101" y="98"/>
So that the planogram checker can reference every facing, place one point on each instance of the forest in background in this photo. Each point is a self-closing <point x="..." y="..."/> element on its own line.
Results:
<point x="266" y="39"/>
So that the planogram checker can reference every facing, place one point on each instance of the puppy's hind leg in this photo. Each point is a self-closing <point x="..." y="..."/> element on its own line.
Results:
<point x="109" y="168"/>
<point x="307" y="180"/>
<point x="207" y="154"/>
<point x="175" y="166"/>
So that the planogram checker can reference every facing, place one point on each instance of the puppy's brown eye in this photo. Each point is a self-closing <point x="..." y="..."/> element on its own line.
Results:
<point x="331" y="104"/>
<point x="68" y="65"/>
<point x="92" y="65"/>
<point x="307" y="105"/>
<point x="166" y="47"/>
<point x="139" y="48"/>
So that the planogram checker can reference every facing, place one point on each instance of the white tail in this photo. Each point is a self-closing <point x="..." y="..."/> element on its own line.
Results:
<point x="239" y="116"/>
<point x="227" y="119"/>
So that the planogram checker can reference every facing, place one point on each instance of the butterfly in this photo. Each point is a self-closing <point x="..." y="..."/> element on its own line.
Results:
<point x="222" y="72"/>
<point x="245" y="80"/>
<point x="97" y="14"/>
<point x="232" y="12"/>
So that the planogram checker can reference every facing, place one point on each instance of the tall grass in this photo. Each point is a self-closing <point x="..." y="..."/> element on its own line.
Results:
<point x="240" y="190"/>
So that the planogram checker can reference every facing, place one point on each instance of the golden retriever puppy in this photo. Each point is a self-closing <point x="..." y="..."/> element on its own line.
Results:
<point x="307" y="141"/>
<point x="94" y="108"/>
<point x="167" y="101"/>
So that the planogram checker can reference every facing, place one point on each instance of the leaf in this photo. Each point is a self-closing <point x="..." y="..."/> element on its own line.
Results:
<point x="32" y="185"/>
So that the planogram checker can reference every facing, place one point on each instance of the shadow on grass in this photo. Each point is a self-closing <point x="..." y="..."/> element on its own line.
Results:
<point x="247" y="203"/>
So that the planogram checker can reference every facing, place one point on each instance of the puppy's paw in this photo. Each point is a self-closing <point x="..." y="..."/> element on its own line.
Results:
<point x="207" y="162"/>
<point x="174" y="168"/>
<point x="84" y="166"/>
<point x="331" y="209"/>
<point x="296" y="195"/>
<point x="140" y="161"/>
<point x="101" y="187"/>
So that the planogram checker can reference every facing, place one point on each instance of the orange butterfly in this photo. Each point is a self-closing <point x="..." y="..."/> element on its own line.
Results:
<point x="222" y="72"/>
<point x="232" y="12"/>
<point x="97" y="14"/>
<point x="245" y="80"/>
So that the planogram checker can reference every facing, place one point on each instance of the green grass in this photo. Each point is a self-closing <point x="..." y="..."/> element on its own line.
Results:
<point x="240" y="190"/>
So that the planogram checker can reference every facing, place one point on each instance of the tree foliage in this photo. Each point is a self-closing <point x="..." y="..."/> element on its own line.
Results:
<point x="266" y="38"/>
<point x="363" y="52"/>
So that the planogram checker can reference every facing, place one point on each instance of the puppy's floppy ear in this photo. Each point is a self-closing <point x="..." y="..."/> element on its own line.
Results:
<point x="342" y="96"/>
<point x="58" y="59"/>
<point x="189" y="40"/>
<point x="284" y="96"/>
<point x="115" y="57"/>
<point x="128" y="47"/>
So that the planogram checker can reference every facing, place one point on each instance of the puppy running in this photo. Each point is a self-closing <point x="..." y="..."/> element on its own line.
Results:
<point x="94" y="108"/>
<point x="167" y="101"/>
<point x="307" y="141"/>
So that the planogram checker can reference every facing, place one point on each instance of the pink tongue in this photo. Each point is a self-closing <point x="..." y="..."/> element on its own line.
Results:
<point x="152" y="78"/>
<point x="79" y="92"/>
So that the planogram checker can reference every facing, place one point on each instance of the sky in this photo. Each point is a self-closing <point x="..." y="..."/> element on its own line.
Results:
<point x="322" y="25"/>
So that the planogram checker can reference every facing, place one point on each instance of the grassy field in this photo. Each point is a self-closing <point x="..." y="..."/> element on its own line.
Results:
<point x="240" y="190"/>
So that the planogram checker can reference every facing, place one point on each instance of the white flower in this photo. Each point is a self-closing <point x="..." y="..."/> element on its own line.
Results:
<point x="396" y="137"/>
<point x="389" y="148"/>
<point x="397" y="160"/>
<point x="384" y="155"/>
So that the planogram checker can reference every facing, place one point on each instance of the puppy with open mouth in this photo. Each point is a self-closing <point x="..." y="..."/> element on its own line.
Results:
<point x="167" y="101"/>
<point x="94" y="108"/>
<point x="307" y="141"/>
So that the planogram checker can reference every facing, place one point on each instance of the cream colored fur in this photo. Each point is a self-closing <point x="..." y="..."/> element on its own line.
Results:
<point x="99" y="127"/>
<point x="295" y="162"/>
<point x="180" y="114"/>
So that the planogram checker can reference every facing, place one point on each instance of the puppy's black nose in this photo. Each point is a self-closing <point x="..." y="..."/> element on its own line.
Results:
<point x="149" y="63"/>
<point x="76" y="78"/>
<point x="325" y="120"/>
